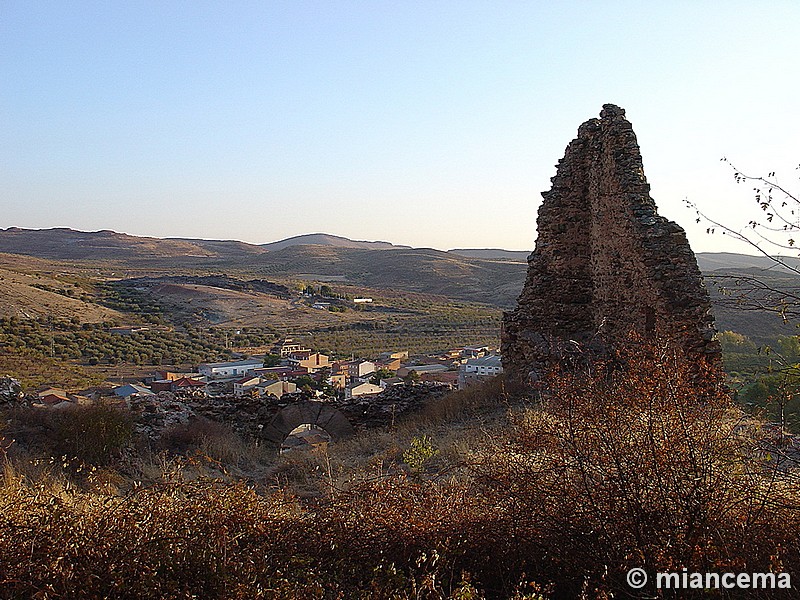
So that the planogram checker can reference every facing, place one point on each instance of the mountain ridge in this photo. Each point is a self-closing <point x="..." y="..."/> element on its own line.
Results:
<point x="327" y="239"/>
<point x="64" y="243"/>
<point x="490" y="276"/>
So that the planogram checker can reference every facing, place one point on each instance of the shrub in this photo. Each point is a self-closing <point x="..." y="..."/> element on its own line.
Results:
<point x="207" y="438"/>
<point x="639" y="467"/>
<point x="96" y="434"/>
<point x="419" y="453"/>
<point x="635" y="466"/>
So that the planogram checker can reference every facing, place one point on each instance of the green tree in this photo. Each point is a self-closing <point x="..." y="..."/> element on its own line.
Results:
<point x="789" y="347"/>
<point x="272" y="360"/>
<point x="412" y="377"/>
<point x="730" y="341"/>
<point x="380" y="374"/>
<point x="760" y="391"/>
<point x="419" y="453"/>
<point x="305" y="383"/>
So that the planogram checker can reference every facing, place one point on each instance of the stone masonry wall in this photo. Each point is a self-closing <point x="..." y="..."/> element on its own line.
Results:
<point x="605" y="264"/>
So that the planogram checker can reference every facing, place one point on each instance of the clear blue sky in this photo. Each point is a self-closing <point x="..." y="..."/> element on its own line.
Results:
<point x="424" y="123"/>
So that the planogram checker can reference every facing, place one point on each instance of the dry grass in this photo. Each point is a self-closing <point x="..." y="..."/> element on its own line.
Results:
<point x="633" y="467"/>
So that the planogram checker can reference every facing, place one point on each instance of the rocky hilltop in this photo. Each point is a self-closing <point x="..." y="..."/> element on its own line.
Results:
<point x="606" y="263"/>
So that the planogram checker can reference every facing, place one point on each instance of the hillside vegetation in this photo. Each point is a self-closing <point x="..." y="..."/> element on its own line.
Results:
<point x="224" y="312"/>
<point x="484" y="495"/>
<point x="33" y="295"/>
<point x="491" y="277"/>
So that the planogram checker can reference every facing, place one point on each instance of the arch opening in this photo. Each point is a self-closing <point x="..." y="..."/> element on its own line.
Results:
<point x="307" y="437"/>
<point x="318" y="415"/>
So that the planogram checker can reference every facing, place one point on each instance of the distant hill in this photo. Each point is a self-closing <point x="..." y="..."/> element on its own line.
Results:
<point x="491" y="276"/>
<point x="707" y="261"/>
<point x="493" y="254"/>
<point x="713" y="261"/>
<point x="62" y="243"/>
<point x="326" y="239"/>
<point x="333" y="258"/>
<point x="229" y="248"/>
<point x="414" y="269"/>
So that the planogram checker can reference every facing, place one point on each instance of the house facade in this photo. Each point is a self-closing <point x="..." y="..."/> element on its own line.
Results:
<point x="311" y="361"/>
<point x="230" y="369"/>
<point x="354" y="368"/>
<point x="477" y="369"/>
<point x="262" y="387"/>
<point x="289" y="346"/>
<point x="362" y="389"/>
<point x="487" y="366"/>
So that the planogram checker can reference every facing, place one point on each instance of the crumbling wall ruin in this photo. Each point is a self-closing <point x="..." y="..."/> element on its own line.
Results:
<point x="605" y="264"/>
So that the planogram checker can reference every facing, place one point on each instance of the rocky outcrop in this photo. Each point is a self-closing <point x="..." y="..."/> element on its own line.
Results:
<point x="606" y="264"/>
<point x="10" y="390"/>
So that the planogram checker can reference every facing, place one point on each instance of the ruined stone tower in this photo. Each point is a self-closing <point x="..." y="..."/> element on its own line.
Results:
<point x="605" y="262"/>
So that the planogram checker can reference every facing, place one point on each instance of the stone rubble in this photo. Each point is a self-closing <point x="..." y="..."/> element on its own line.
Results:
<point x="249" y="416"/>
<point x="10" y="390"/>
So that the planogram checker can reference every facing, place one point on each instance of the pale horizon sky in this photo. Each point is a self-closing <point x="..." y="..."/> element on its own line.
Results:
<point x="430" y="124"/>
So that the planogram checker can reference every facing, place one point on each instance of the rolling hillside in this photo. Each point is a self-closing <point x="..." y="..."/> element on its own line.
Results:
<point x="489" y="276"/>
<point x="325" y="239"/>
<point x="417" y="270"/>
<point x="32" y="296"/>
<point x="714" y="261"/>
<point x="370" y="264"/>
<point x="493" y="254"/>
<point x="68" y="244"/>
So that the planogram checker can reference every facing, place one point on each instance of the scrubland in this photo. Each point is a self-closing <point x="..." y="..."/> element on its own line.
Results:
<point x="492" y="492"/>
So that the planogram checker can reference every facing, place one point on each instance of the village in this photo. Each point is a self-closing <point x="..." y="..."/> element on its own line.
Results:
<point x="292" y="368"/>
<point x="249" y="394"/>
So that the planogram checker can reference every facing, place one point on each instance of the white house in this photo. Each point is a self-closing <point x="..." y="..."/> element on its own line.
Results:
<point x="486" y="366"/>
<point x="311" y="361"/>
<point x="477" y="369"/>
<point x="230" y="369"/>
<point x="276" y="388"/>
<point x="263" y="387"/>
<point x="363" y="389"/>
<point x="360" y="368"/>
<point x="391" y="382"/>
<point x="474" y="351"/>
<point x="289" y="346"/>
<point x="354" y="369"/>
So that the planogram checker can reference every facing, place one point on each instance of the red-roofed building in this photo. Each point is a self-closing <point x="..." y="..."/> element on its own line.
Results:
<point x="282" y="372"/>
<point x="184" y="383"/>
<point x="55" y="401"/>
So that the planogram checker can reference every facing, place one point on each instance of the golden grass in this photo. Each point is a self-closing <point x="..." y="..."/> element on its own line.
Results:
<point x="556" y="498"/>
